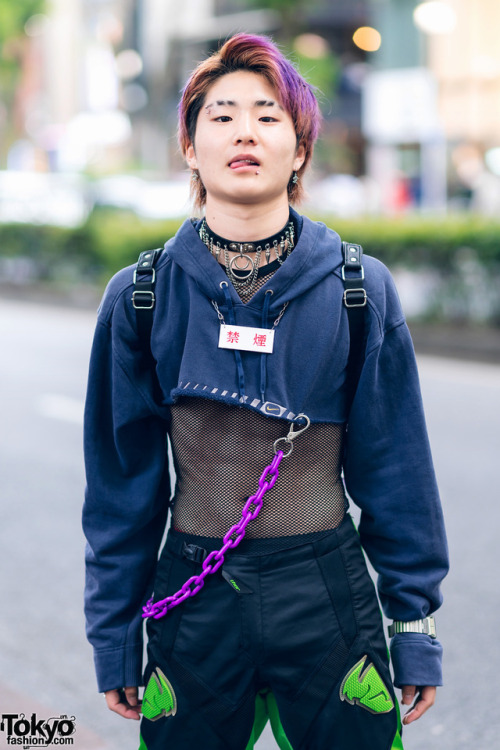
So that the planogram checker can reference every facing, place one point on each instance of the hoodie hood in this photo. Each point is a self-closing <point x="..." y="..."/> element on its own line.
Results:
<point x="316" y="254"/>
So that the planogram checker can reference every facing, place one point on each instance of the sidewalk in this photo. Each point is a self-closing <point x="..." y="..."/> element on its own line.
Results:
<point x="469" y="342"/>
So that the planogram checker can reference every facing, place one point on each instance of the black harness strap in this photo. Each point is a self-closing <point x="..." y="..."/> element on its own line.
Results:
<point x="143" y="296"/>
<point x="355" y="300"/>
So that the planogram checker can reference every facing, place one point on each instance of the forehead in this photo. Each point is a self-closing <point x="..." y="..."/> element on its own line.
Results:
<point x="242" y="88"/>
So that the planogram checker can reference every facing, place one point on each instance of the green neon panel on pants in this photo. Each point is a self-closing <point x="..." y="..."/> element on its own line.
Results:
<point x="266" y="708"/>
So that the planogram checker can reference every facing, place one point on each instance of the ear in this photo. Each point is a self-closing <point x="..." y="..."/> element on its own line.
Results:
<point x="191" y="157"/>
<point x="300" y="157"/>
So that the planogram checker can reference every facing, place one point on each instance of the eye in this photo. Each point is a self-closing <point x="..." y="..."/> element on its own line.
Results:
<point x="268" y="118"/>
<point x="222" y="118"/>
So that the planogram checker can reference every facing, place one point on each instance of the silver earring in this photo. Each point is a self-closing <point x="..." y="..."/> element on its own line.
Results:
<point x="295" y="178"/>
<point x="195" y="176"/>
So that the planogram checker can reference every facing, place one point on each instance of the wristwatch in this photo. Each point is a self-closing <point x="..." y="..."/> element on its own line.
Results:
<point x="427" y="626"/>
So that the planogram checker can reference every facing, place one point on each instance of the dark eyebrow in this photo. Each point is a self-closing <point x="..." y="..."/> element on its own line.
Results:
<point x="221" y="103"/>
<point x="267" y="103"/>
<point x="230" y="103"/>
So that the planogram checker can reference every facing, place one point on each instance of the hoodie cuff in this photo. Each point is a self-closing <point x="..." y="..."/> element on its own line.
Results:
<point x="416" y="660"/>
<point x="117" y="668"/>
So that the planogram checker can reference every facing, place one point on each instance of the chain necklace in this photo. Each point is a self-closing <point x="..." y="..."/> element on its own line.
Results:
<point x="242" y="269"/>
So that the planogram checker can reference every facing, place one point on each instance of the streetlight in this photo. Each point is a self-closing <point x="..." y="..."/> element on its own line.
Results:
<point x="435" y="17"/>
<point x="367" y="39"/>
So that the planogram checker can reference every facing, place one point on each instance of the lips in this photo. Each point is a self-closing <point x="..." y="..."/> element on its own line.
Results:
<point x="243" y="160"/>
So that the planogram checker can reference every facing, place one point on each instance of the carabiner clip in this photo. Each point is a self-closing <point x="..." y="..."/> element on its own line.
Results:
<point x="292" y="434"/>
<point x="295" y="433"/>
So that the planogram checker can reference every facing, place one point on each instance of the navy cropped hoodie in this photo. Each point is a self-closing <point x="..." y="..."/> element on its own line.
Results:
<point x="388" y="469"/>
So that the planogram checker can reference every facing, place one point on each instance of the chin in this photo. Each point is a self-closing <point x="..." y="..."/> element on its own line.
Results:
<point x="255" y="194"/>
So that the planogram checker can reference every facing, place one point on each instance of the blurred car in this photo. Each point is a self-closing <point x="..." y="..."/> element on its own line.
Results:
<point x="149" y="199"/>
<point x="341" y="194"/>
<point x="43" y="198"/>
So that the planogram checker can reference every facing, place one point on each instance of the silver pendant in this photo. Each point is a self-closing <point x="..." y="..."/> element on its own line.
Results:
<point x="248" y="269"/>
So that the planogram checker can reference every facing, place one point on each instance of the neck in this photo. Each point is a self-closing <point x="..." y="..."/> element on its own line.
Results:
<point x="246" y="223"/>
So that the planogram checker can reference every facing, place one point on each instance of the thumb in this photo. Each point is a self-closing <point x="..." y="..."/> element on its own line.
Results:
<point x="408" y="693"/>
<point x="131" y="694"/>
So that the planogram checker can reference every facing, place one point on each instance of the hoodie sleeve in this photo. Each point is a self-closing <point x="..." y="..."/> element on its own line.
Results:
<point x="126" y="500"/>
<point x="389" y="474"/>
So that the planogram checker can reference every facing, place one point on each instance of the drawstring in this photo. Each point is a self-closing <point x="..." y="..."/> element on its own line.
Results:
<point x="263" y="357"/>
<point x="237" y="354"/>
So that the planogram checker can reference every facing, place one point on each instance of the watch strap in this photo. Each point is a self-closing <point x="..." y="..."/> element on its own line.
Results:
<point x="426" y="626"/>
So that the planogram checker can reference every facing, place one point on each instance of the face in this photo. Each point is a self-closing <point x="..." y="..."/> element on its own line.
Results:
<point x="245" y="146"/>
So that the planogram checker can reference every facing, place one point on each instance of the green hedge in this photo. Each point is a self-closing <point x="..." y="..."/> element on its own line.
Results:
<point x="424" y="242"/>
<point x="94" y="251"/>
<point x="110" y="240"/>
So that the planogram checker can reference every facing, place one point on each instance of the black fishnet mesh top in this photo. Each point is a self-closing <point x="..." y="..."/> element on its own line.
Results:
<point x="220" y="451"/>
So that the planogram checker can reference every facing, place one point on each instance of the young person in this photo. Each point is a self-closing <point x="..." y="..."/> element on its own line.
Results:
<point x="289" y="624"/>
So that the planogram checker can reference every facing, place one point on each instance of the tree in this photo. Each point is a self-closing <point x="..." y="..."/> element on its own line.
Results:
<point x="290" y="12"/>
<point x="13" y="46"/>
<point x="320" y="68"/>
<point x="14" y="15"/>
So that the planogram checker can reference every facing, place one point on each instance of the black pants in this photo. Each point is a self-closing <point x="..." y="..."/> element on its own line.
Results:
<point x="303" y="623"/>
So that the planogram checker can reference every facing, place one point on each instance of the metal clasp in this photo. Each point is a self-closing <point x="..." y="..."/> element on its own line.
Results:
<point x="357" y="294"/>
<point x="430" y="626"/>
<point x="360" y="277"/>
<point x="150" y="270"/>
<point x="292" y="434"/>
<point x="145" y="297"/>
<point x="295" y="433"/>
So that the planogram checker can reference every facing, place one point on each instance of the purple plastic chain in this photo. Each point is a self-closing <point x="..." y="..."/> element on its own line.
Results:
<point x="215" y="559"/>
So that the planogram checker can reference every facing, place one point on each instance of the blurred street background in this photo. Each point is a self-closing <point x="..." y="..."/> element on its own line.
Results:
<point x="408" y="164"/>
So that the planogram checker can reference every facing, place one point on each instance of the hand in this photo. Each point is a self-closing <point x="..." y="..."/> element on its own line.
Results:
<point x="425" y="699"/>
<point x="124" y="702"/>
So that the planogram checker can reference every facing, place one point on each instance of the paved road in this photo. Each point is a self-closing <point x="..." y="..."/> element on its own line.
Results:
<point x="45" y="663"/>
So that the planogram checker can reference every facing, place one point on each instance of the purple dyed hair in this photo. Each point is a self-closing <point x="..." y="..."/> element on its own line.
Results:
<point x="257" y="54"/>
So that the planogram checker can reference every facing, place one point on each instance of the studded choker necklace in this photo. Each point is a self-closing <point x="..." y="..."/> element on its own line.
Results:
<point x="242" y="268"/>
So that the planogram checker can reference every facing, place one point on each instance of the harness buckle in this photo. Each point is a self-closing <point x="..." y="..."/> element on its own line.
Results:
<point x="148" y="270"/>
<point x="143" y="299"/>
<point x="359" y="297"/>
<point x="194" y="553"/>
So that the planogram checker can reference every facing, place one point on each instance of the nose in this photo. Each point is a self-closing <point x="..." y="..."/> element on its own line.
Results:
<point x="245" y="131"/>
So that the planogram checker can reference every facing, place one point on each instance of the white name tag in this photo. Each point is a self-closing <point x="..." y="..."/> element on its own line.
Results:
<point x="246" y="339"/>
